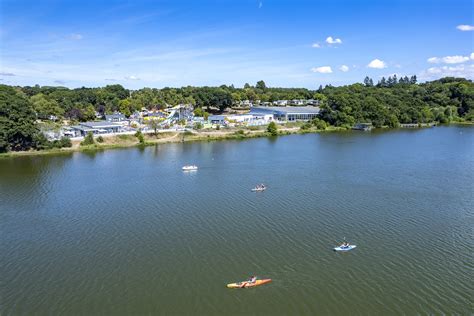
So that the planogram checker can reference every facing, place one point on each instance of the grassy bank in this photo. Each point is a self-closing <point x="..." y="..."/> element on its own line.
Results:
<point x="124" y="141"/>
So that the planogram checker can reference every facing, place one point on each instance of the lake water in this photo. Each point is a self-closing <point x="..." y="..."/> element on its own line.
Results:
<point x="127" y="232"/>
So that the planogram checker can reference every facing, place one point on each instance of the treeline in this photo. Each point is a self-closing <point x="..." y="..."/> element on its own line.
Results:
<point x="82" y="104"/>
<point x="392" y="101"/>
<point x="388" y="102"/>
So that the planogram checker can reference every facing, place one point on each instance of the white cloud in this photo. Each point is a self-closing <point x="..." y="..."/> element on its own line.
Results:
<point x="322" y="70"/>
<point x="131" y="78"/>
<point x="59" y="82"/>
<point x="472" y="56"/>
<point x="377" y="64"/>
<point x="344" y="68"/>
<point x="315" y="45"/>
<point x="331" y="40"/>
<point x="457" y="59"/>
<point x="463" y="71"/>
<point x="8" y="74"/>
<point x="464" y="27"/>
<point x="76" y="36"/>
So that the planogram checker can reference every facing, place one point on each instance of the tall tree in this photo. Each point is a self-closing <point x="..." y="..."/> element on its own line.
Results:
<point x="17" y="121"/>
<point x="261" y="85"/>
<point x="368" y="82"/>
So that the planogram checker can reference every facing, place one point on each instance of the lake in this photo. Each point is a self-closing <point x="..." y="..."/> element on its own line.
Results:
<point x="126" y="232"/>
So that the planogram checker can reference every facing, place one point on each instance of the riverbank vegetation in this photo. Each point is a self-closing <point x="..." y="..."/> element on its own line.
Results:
<point x="390" y="102"/>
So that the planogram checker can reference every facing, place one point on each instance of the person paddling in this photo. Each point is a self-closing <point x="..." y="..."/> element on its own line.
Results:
<point x="250" y="281"/>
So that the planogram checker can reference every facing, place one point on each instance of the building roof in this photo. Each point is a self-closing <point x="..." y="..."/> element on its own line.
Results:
<point x="115" y="115"/>
<point x="216" y="117"/>
<point x="286" y="109"/>
<point x="101" y="124"/>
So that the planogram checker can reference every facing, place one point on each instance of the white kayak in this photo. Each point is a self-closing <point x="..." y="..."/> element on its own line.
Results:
<point x="259" y="189"/>
<point x="189" y="168"/>
<point x="345" y="248"/>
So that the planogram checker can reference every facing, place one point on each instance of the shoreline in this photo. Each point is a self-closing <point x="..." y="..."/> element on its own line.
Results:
<point x="127" y="141"/>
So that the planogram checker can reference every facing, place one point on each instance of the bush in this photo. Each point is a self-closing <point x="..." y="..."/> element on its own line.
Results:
<point x="140" y="137"/>
<point x="272" y="129"/>
<point x="65" y="142"/>
<point x="100" y="139"/>
<point x="320" y="124"/>
<point x="41" y="142"/>
<point x="306" y="126"/>
<point x="240" y="132"/>
<point x="198" y="125"/>
<point x="88" y="140"/>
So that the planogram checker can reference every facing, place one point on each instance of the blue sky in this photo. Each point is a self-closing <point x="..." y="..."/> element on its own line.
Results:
<point x="285" y="43"/>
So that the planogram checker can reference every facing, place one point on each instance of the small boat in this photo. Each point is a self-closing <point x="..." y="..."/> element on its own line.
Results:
<point x="345" y="248"/>
<point x="190" y="168"/>
<point x="259" y="188"/>
<point x="246" y="284"/>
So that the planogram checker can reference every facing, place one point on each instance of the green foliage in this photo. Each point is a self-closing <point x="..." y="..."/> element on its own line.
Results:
<point x="88" y="140"/>
<point x="261" y="85"/>
<point x="390" y="102"/>
<point x="140" y="137"/>
<point x="306" y="126"/>
<point x="319" y="124"/>
<point x="17" y="120"/>
<point x="272" y="129"/>
<point x="45" y="107"/>
<point x="100" y="139"/>
<point x="198" y="126"/>
<point x="344" y="105"/>
<point x="199" y="112"/>
<point x="41" y="142"/>
<point x="393" y="101"/>
<point x="126" y="107"/>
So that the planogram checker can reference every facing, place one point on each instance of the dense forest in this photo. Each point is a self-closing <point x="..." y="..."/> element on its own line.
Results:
<point x="389" y="102"/>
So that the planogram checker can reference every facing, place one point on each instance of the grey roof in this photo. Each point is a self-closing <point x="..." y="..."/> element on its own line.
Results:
<point x="101" y="124"/>
<point x="216" y="117"/>
<point x="286" y="109"/>
<point x="84" y="128"/>
<point x="115" y="115"/>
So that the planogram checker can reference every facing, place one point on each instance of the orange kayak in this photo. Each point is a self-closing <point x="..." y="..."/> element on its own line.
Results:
<point x="246" y="284"/>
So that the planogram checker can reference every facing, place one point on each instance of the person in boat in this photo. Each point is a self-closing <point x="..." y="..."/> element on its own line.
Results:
<point x="345" y="244"/>
<point x="250" y="281"/>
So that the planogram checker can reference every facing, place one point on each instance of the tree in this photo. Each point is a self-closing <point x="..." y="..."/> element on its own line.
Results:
<point x="261" y="85"/>
<point x="413" y="79"/>
<point x="125" y="107"/>
<point x="368" y="82"/>
<point x="17" y="120"/>
<point x="45" y="108"/>
<point x="198" y="125"/>
<point x="154" y="125"/>
<point x="88" y="140"/>
<point x="247" y="86"/>
<point x="272" y="129"/>
<point x="139" y="136"/>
